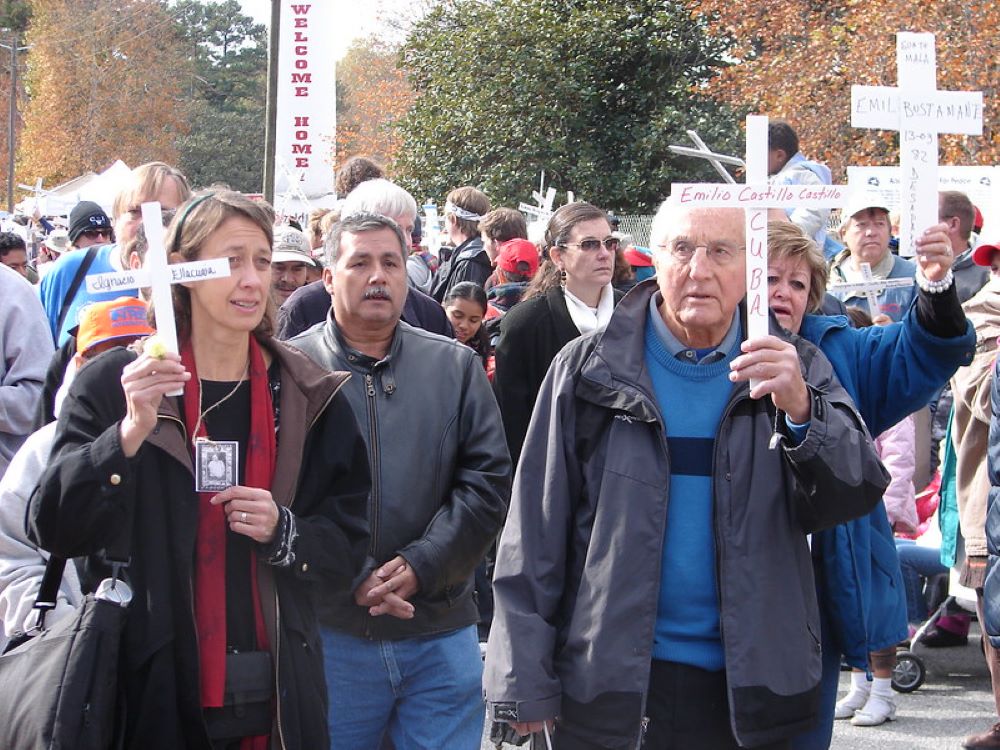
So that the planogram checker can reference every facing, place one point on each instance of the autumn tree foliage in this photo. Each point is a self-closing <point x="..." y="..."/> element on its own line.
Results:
<point x="372" y="95"/>
<point x="797" y="59"/>
<point x="105" y="80"/>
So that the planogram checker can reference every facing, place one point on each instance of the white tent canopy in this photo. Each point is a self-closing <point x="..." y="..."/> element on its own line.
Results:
<point x="99" y="188"/>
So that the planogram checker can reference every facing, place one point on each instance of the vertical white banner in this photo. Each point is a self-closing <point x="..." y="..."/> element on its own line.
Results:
<point x="306" y="111"/>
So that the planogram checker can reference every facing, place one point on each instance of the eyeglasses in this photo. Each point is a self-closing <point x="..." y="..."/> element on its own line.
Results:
<point x="684" y="252"/>
<point x="592" y="246"/>
<point x="93" y="234"/>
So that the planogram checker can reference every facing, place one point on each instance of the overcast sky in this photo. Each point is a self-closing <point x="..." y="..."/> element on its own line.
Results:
<point x="358" y="18"/>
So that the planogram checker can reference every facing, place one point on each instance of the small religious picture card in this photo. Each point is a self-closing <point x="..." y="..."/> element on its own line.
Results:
<point x="215" y="463"/>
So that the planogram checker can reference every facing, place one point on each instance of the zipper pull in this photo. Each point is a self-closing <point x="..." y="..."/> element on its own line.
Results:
<point x="370" y="385"/>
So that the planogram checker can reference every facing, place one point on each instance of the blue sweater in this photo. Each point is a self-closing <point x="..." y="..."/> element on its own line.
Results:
<point x="691" y="399"/>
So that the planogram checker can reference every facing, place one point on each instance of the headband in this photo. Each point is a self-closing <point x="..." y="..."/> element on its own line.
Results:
<point x="461" y="213"/>
<point x="184" y="215"/>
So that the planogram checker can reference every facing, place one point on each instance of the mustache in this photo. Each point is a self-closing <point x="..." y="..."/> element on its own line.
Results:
<point x="378" y="292"/>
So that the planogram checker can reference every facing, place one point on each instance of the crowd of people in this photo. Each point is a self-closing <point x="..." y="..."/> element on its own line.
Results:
<point x="388" y="488"/>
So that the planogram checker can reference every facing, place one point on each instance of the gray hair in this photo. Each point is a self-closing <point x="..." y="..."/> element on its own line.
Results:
<point x="358" y="223"/>
<point x="379" y="196"/>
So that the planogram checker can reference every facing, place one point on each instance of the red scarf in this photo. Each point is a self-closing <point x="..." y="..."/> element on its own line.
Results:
<point x="210" y="546"/>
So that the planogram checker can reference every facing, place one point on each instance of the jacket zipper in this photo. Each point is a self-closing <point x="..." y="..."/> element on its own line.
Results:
<point x="277" y="604"/>
<point x="375" y="469"/>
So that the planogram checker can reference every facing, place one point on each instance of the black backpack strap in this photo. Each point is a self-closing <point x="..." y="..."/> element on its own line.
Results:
<point x="74" y="287"/>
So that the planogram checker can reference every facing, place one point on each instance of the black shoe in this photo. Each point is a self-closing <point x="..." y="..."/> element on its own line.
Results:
<point x="939" y="638"/>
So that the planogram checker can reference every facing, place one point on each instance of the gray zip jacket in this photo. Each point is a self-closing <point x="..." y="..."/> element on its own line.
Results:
<point x="577" y="578"/>
<point x="440" y="471"/>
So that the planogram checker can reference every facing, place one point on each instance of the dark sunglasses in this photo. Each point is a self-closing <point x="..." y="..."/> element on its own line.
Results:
<point x="93" y="234"/>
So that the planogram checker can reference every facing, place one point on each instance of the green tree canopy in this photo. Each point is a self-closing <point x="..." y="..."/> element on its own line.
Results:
<point x="590" y="91"/>
<point x="226" y="94"/>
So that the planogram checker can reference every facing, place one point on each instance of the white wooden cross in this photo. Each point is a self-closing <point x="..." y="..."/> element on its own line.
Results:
<point x="870" y="287"/>
<point x="919" y="112"/>
<point x="756" y="196"/>
<point x="704" y="152"/>
<point x="158" y="275"/>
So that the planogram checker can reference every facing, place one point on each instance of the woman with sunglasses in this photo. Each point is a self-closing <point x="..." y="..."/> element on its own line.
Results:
<point x="570" y="295"/>
<point x="245" y="495"/>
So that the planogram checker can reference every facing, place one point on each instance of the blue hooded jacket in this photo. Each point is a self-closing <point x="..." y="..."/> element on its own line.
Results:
<point x="890" y="371"/>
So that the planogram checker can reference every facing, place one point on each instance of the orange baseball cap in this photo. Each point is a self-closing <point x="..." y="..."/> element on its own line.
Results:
<point x="122" y="318"/>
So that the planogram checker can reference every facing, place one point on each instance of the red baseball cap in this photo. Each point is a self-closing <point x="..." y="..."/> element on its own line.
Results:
<point x="977" y="221"/>
<point x="638" y="256"/>
<point x="983" y="255"/>
<point x="515" y="251"/>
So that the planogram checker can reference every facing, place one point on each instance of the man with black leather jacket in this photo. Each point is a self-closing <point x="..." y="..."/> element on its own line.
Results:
<point x="402" y="654"/>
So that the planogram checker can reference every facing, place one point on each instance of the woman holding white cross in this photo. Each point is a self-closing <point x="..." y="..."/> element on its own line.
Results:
<point x="232" y="526"/>
<point x="890" y="372"/>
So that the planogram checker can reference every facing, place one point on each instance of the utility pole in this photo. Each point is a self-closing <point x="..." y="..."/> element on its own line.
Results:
<point x="270" y="131"/>
<point x="12" y="118"/>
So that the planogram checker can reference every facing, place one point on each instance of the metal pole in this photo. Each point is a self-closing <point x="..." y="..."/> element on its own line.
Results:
<point x="11" y="124"/>
<point x="270" y="136"/>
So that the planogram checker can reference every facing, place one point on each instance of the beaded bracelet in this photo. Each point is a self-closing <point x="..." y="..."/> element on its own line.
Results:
<point x="935" y="287"/>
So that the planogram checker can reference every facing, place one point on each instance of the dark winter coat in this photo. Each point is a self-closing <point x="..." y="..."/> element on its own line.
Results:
<point x="321" y="475"/>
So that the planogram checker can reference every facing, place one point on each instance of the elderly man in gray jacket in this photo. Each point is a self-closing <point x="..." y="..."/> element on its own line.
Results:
<point x="653" y="578"/>
<point x="402" y="652"/>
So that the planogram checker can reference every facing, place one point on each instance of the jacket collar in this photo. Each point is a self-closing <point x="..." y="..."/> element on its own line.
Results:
<point x="362" y="363"/>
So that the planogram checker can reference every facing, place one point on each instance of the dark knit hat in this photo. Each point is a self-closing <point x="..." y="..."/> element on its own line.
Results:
<point x="86" y="215"/>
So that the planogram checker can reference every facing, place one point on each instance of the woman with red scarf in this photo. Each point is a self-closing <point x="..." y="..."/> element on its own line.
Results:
<point x="247" y="496"/>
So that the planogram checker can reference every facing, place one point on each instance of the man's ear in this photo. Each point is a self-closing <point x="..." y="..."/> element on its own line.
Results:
<point x="328" y="280"/>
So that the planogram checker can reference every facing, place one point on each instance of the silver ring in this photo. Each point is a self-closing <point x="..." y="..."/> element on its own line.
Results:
<point x="243" y="518"/>
<point x="152" y="372"/>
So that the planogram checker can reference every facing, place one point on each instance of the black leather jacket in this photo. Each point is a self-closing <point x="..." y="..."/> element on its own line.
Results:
<point x="440" y="471"/>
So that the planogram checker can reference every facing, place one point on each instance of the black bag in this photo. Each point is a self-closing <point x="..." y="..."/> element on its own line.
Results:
<point x="61" y="683"/>
<point x="247" y="706"/>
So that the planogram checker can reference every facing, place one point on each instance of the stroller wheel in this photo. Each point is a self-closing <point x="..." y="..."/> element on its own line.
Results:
<point x="909" y="673"/>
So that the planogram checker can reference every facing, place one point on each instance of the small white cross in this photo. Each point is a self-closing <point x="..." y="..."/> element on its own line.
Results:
<point x="158" y="275"/>
<point x="919" y="112"/>
<point x="870" y="287"/>
<point x="704" y="152"/>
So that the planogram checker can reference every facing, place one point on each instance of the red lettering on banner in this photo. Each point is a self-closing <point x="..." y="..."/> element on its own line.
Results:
<point x="758" y="220"/>
<point x="755" y="306"/>
<point x="300" y="37"/>
<point x="757" y="248"/>
<point x="755" y="278"/>
<point x="301" y="162"/>
<point x="301" y="91"/>
<point x="301" y="50"/>
<point x="302" y="23"/>
<point x="302" y="135"/>
<point x="302" y="122"/>
<point x="302" y="77"/>
<point x="302" y="148"/>
<point x="301" y="64"/>
<point x="300" y="10"/>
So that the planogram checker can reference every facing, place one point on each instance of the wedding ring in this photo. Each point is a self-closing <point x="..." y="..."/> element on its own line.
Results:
<point x="243" y="518"/>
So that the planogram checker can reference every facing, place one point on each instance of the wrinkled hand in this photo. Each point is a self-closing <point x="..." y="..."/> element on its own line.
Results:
<point x="934" y="254"/>
<point x="145" y="382"/>
<point x="250" y="511"/>
<point x="774" y="365"/>
<point x="387" y="589"/>
<point x="526" y="728"/>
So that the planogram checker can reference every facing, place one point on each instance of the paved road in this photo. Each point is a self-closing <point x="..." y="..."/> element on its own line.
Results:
<point x="954" y="702"/>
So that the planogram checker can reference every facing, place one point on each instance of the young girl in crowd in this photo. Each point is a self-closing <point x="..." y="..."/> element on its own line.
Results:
<point x="465" y="305"/>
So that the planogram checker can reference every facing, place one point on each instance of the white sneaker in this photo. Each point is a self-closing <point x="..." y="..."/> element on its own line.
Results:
<point x="877" y="710"/>
<point x="851" y="703"/>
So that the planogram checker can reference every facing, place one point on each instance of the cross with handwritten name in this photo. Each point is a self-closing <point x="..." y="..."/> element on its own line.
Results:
<point x="756" y="196"/>
<point x="870" y="287"/>
<point x="919" y="111"/>
<point x="158" y="275"/>
<point x="702" y="151"/>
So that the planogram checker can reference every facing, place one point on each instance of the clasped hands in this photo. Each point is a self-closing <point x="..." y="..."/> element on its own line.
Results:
<point x="387" y="589"/>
